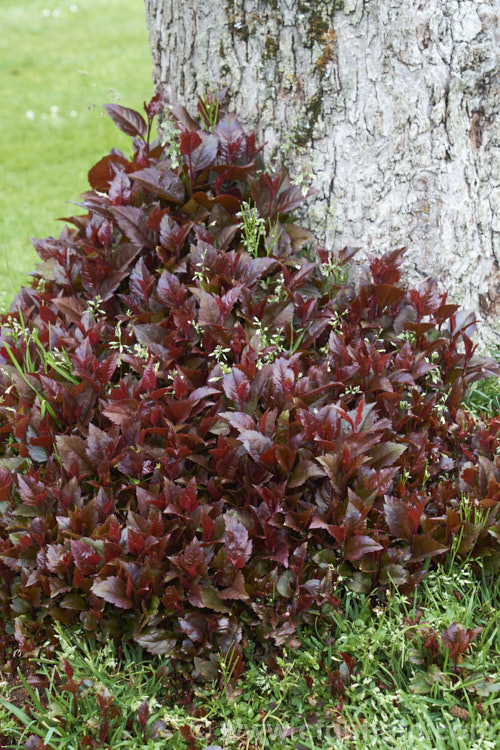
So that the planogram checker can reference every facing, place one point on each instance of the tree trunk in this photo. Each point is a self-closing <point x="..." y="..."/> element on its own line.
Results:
<point x="388" y="107"/>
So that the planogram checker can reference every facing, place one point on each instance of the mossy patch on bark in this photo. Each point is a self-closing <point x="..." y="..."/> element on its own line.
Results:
<point x="236" y="27"/>
<point x="305" y="127"/>
<point x="316" y="23"/>
<point x="271" y="46"/>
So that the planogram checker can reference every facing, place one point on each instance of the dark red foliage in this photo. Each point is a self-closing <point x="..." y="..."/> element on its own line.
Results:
<point x="210" y="437"/>
<point x="457" y="640"/>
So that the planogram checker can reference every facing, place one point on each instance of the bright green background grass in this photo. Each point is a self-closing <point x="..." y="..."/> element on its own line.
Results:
<point x="73" y="55"/>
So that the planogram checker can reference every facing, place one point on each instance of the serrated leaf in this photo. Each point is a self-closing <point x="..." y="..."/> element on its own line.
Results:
<point x="238" y="419"/>
<point x="156" y="640"/>
<point x="396" y="516"/>
<point x="162" y="182"/>
<point x="122" y="413"/>
<point x="283" y="376"/>
<point x="424" y="546"/>
<point x="237" y="589"/>
<point x="112" y="590"/>
<point x="133" y="223"/>
<point x="237" y="545"/>
<point x="192" y="559"/>
<point x="96" y="444"/>
<point x="211" y="600"/>
<point x="127" y="120"/>
<point x="188" y="499"/>
<point x="254" y="443"/>
<point x="205" y="154"/>
<point x="120" y="189"/>
<point x="85" y="556"/>
<point x="386" y="454"/>
<point x="304" y="470"/>
<point x="231" y="138"/>
<point x="236" y="386"/>
<point x="358" y="546"/>
<point x="72" y="307"/>
<point x="105" y="170"/>
<point x="73" y="452"/>
<point x="170" y="291"/>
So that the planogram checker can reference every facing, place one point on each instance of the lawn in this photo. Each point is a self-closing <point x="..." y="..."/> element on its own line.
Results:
<point x="383" y="670"/>
<point x="404" y="689"/>
<point x="60" y="61"/>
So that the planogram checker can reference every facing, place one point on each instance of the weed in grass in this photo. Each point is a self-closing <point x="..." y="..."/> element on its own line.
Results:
<point x="255" y="233"/>
<point x="483" y="397"/>
<point x="56" y="360"/>
<point x="209" y="109"/>
<point x="391" y="694"/>
<point x="392" y="691"/>
<point x="91" y="695"/>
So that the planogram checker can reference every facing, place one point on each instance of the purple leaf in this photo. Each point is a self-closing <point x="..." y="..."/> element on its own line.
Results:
<point x="156" y="640"/>
<point x="290" y="199"/>
<point x="143" y="715"/>
<point x="237" y="589"/>
<point x="232" y="139"/>
<point x="424" y="546"/>
<point x="86" y="558"/>
<point x="120" y="189"/>
<point x="133" y="223"/>
<point x="162" y="182"/>
<point x="254" y="443"/>
<point x="205" y="154"/>
<point x="170" y="291"/>
<point x="127" y="120"/>
<point x="73" y="452"/>
<point x="112" y="590"/>
<point x="189" y="142"/>
<point x="358" y="546"/>
<point x="236" y="542"/>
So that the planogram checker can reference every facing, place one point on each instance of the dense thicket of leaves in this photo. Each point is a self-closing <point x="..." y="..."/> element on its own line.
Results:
<point x="201" y="431"/>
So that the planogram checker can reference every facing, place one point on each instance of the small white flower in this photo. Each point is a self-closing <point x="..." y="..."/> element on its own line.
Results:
<point x="56" y="13"/>
<point x="73" y="8"/>
<point x="46" y="12"/>
<point x="30" y="114"/>
<point x="73" y="113"/>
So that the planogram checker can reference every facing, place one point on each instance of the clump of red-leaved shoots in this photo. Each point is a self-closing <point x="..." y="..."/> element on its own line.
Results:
<point x="203" y="424"/>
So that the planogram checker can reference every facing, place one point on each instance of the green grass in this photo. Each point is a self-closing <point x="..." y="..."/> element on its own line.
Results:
<point x="60" y="60"/>
<point x="484" y="397"/>
<point x="393" y="698"/>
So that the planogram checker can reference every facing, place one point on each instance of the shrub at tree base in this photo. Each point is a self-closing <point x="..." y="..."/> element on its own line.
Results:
<point x="203" y="426"/>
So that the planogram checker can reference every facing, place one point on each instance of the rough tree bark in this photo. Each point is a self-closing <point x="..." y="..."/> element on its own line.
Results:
<point x="391" y="107"/>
